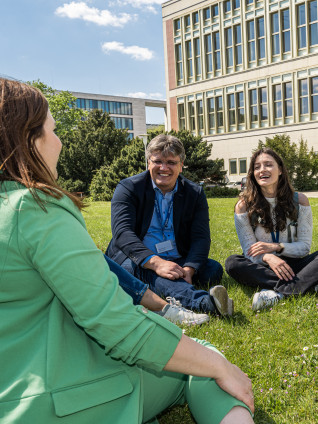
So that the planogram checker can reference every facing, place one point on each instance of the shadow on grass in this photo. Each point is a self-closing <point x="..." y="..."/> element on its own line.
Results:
<point x="261" y="417"/>
<point x="182" y="415"/>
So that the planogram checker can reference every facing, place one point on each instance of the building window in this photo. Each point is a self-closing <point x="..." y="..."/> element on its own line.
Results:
<point x="285" y="31"/>
<point x="253" y="105"/>
<point x="280" y="27"/>
<point x="303" y="97"/>
<point x="263" y="103"/>
<point x="288" y="99"/>
<point x="187" y="23"/>
<point x="233" y="166"/>
<point x="314" y="95"/>
<point x="313" y="23"/>
<point x="301" y="26"/>
<point x="197" y="59"/>
<point x="189" y="61"/>
<point x="278" y="109"/>
<point x="275" y="34"/>
<point x="211" y="115"/>
<point x="219" y="113"/>
<point x="217" y="50"/>
<point x="229" y="49"/>
<point x="208" y="55"/>
<point x="236" y="4"/>
<point x="206" y="15"/>
<point x="227" y="6"/>
<point x="177" y="26"/>
<point x="251" y="43"/>
<point x="243" y="166"/>
<point x="236" y="115"/>
<point x="179" y="65"/>
<point x="200" y="116"/>
<point x="261" y="49"/>
<point x="195" y="18"/>
<point x="238" y="45"/>
<point x="308" y="89"/>
<point x="181" y="116"/>
<point x="258" y="107"/>
<point x="240" y="107"/>
<point x="231" y="109"/>
<point x="307" y="22"/>
<point x="215" y="11"/>
<point x="191" y="111"/>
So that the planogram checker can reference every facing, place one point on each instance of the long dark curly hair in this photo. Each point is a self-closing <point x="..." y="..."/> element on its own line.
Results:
<point x="258" y="206"/>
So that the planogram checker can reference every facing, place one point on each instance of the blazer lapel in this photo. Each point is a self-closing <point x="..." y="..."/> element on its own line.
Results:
<point x="149" y="204"/>
<point x="178" y="201"/>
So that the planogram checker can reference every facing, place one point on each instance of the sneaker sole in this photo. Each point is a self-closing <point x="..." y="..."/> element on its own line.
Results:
<point x="224" y="305"/>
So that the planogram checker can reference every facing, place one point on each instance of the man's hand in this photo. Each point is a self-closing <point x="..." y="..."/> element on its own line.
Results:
<point x="279" y="266"/>
<point x="189" y="273"/>
<point x="165" y="269"/>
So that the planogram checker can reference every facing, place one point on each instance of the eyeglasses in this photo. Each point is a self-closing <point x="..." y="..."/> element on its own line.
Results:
<point x="170" y="163"/>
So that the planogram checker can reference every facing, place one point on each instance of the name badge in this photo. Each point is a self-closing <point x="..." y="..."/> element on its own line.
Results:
<point x="164" y="246"/>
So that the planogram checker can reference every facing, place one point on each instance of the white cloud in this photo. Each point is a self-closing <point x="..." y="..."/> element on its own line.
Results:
<point x="142" y="4"/>
<point x="80" y="10"/>
<point x="142" y="95"/>
<point x="136" y="52"/>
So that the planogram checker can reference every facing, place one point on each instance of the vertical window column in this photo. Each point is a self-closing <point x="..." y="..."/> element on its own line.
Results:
<point x="211" y="115"/>
<point x="179" y="65"/>
<point x="197" y="53"/>
<point x="189" y="61"/>
<point x="181" y="115"/>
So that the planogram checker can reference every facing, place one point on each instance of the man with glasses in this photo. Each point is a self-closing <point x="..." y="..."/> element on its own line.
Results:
<point x="161" y="234"/>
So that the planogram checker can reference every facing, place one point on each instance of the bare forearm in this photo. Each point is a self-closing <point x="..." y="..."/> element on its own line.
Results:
<point x="193" y="358"/>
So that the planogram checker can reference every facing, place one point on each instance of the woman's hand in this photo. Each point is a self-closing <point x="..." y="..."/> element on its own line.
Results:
<point x="237" y="384"/>
<point x="279" y="266"/>
<point x="261" y="247"/>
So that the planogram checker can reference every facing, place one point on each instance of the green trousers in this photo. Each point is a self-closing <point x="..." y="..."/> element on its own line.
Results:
<point x="207" y="402"/>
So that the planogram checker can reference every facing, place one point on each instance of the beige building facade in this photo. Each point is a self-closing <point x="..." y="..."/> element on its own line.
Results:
<point x="238" y="71"/>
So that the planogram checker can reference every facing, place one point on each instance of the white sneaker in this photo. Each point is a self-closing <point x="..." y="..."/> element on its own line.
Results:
<point x="175" y="313"/>
<point x="265" y="298"/>
<point x="224" y="305"/>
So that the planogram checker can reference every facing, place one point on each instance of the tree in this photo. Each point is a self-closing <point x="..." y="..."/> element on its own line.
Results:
<point x="301" y="163"/>
<point x="62" y="105"/>
<point x="93" y="144"/>
<point x="106" y="178"/>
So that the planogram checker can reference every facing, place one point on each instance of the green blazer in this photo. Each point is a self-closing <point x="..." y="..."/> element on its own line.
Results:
<point x="72" y="343"/>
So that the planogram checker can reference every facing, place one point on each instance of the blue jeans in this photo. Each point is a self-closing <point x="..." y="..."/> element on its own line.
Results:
<point x="135" y="288"/>
<point x="190" y="297"/>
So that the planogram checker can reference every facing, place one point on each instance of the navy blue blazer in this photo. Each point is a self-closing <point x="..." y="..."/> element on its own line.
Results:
<point x="132" y="208"/>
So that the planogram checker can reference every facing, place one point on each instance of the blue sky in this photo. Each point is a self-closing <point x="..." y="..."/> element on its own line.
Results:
<point x="107" y="47"/>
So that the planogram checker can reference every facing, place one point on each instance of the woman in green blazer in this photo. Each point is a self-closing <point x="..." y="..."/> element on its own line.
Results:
<point x="74" y="349"/>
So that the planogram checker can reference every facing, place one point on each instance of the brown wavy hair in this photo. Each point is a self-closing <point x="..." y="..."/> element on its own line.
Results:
<point x="23" y="111"/>
<point x="258" y="206"/>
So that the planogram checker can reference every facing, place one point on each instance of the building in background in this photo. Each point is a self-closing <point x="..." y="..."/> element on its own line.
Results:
<point x="126" y="112"/>
<point x="238" y="71"/>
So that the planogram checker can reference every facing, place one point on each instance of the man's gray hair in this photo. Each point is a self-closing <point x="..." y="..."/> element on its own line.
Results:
<point x="166" y="145"/>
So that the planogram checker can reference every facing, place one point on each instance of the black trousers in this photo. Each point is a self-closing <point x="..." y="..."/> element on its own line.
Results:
<point x="250" y="274"/>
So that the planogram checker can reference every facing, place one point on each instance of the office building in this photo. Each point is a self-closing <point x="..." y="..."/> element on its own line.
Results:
<point x="126" y="112"/>
<point x="238" y="71"/>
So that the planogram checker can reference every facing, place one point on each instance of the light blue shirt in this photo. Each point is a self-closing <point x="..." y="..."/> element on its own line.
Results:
<point x="156" y="233"/>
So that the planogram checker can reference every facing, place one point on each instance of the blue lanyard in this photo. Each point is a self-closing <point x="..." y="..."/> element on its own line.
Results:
<point x="275" y="238"/>
<point x="165" y="225"/>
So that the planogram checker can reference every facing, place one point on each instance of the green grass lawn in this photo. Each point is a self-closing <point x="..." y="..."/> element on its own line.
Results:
<point x="277" y="348"/>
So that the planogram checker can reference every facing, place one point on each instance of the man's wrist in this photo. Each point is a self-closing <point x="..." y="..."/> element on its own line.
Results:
<point x="190" y="270"/>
